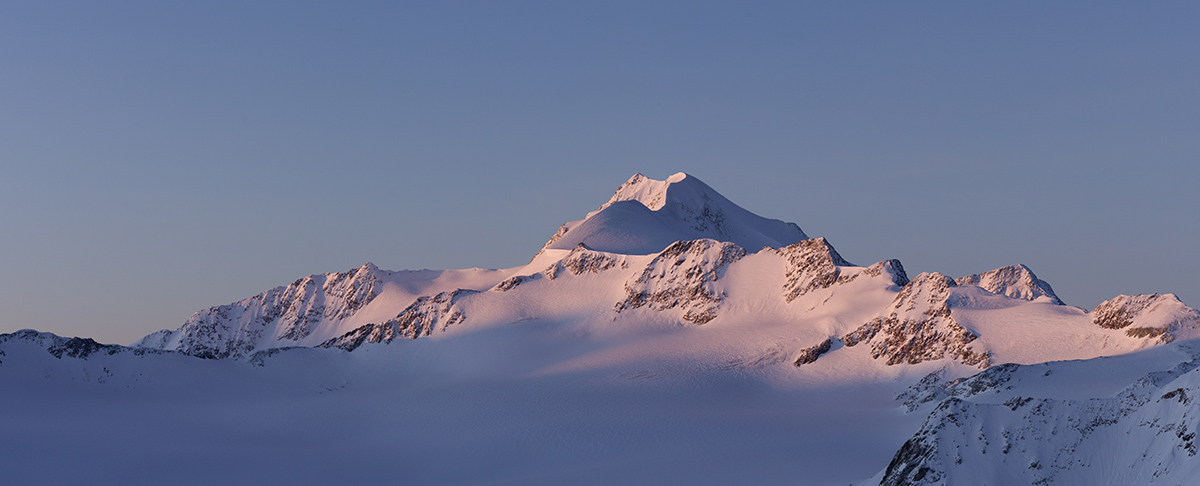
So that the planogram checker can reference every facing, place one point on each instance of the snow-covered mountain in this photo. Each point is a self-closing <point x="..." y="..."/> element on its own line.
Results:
<point x="645" y="216"/>
<point x="1058" y="423"/>
<point x="676" y="252"/>
<point x="705" y="315"/>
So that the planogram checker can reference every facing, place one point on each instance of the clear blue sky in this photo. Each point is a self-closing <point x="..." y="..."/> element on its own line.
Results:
<point x="157" y="158"/>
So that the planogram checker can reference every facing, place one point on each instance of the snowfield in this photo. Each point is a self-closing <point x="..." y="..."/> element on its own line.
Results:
<point x="668" y="337"/>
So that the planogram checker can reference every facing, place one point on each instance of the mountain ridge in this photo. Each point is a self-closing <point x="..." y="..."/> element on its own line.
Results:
<point x="1003" y="379"/>
<point x="683" y="283"/>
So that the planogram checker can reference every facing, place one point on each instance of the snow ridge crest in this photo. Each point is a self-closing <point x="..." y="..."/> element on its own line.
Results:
<point x="1016" y="281"/>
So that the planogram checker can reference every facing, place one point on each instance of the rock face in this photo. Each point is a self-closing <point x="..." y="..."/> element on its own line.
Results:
<point x="76" y="347"/>
<point x="1016" y="281"/>
<point x="1145" y="315"/>
<point x="811" y="264"/>
<point x="985" y="433"/>
<point x="420" y="318"/>
<point x="892" y="268"/>
<point x="581" y="260"/>
<point x="290" y="313"/>
<point x="810" y="355"/>
<point x="664" y="246"/>
<point x="683" y="277"/>
<point x="918" y="327"/>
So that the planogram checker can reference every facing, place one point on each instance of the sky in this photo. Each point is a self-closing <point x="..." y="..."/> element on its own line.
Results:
<point x="158" y="158"/>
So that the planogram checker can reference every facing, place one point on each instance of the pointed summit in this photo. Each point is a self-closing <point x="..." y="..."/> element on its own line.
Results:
<point x="1016" y="281"/>
<point x="645" y="216"/>
<point x="649" y="192"/>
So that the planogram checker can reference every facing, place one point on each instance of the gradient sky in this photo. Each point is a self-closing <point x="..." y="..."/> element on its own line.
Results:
<point x="157" y="158"/>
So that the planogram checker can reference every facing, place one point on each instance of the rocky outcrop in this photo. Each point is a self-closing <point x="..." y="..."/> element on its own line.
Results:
<point x="290" y="312"/>
<point x="1146" y="315"/>
<point x="581" y="260"/>
<point x="810" y="355"/>
<point x="1016" y="281"/>
<point x="919" y="327"/>
<point x="562" y="231"/>
<point x="1118" y="312"/>
<point x="683" y="276"/>
<point x="811" y="264"/>
<point x="1146" y="434"/>
<point x="512" y="282"/>
<point x="75" y="347"/>
<point x="420" y="318"/>
<point x="892" y="268"/>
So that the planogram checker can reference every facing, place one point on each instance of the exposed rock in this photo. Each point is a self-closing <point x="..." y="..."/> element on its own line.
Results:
<point x="910" y="465"/>
<point x="81" y="348"/>
<point x="1118" y="312"/>
<point x="420" y="318"/>
<point x="512" y="282"/>
<point x="651" y="193"/>
<point x="1142" y="332"/>
<point x="340" y="296"/>
<point x="931" y="388"/>
<point x="1148" y="429"/>
<point x="683" y="277"/>
<point x="811" y="264"/>
<point x="1151" y="316"/>
<point x="562" y="231"/>
<point x="76" y="347"/>
<point x="919" y="327"/>
<point x="1016" y="281"/>
<point x="581" y="259"/>
<point x="810" y="355"/>
<point x="891" y="267"/>
<point x="292" y="311"/>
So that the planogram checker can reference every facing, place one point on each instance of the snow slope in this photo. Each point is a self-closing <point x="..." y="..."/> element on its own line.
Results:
<point x="670" y="336"/>
<point x="645" y="215"/>
<point x="1081" y="422"/>
<point x="797" y="297"/>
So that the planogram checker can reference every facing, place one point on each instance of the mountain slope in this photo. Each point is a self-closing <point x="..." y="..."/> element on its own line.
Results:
<point x="667" y="328"/>
<point x="645" y="216"/>
<point x="1036" y="424"/>
<point x="798" y="298"/>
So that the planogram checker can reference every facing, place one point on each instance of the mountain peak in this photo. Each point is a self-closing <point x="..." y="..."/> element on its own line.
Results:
<point x="645" y="216"/>
<point x="649" y="192"/>
<point x="1015" y="281"/>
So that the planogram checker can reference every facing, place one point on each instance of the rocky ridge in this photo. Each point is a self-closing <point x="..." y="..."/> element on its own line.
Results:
<point x="1016" y="281"/>
<point x="419" y="319"/>
<point x="1152" y="315"/>
<point x="983" y="430"/>
<point x="75" y="347"/>
<point x="683" y="276"/>
<point x="919" y="327"/>
<point x="289" y="312"/>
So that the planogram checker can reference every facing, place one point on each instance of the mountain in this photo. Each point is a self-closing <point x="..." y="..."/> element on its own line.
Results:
<point x="1058" y="423"/>
<point x="672" y="252"/>
<point x="645" y="216"/>
<point x="668" y="336"/>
